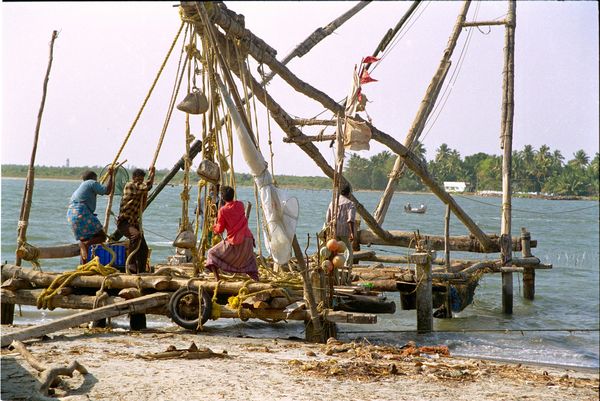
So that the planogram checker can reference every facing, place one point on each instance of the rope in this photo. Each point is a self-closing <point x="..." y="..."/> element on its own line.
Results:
<point x="527" y="211"/>
<point x="137" y="117"/>
<point x="92" y="268"/>
<point x="452" y="80"/>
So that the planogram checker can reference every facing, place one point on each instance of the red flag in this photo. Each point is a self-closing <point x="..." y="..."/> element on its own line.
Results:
<point x="365" y="78"/>
<point x="370" y="59"/>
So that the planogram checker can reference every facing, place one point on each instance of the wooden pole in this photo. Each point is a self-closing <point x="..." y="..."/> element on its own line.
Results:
<point x="136" y="305"/>
<point x="6" y="310"/>
<point x="506" y="144"/>
<point x="424" y="292"/>
<point x="447" y="238"/>
<point x="422" y="114"/>
<point x="528" y="272"/>
<point x="309" y="295"/>
<point x="28" y="193"/>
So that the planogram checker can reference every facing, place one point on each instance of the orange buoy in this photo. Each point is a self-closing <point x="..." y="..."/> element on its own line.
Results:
<point x="338" y="261"/>
<point x="332" y="245"/>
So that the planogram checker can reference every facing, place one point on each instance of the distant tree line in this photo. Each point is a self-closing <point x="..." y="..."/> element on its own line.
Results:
<point x="74" y="173"/>
<point x="541" y="170"/>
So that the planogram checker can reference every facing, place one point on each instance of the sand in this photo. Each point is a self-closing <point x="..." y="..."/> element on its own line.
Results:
<point x="274" y="369"/>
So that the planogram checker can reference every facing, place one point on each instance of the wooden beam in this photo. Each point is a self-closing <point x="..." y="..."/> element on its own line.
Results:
<point x="436" y="242"/>
<point x="484" y="23"/>
<point x="137" y="305"/>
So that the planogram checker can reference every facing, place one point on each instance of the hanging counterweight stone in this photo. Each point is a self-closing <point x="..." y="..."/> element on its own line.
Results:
<point x="194" y="102"/>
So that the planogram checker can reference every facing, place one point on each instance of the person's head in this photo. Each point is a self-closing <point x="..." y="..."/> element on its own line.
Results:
<point x="89" y="175"/>
<point x="138" y="175"/>
<point x="346" y="190"/>
<point x="227" y="193"/>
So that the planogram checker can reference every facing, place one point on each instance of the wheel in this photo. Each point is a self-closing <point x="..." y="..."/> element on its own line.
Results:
<point x="184" y="308"/>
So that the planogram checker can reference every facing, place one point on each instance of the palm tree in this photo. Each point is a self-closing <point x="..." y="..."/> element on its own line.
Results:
<point x="581" y="159"/>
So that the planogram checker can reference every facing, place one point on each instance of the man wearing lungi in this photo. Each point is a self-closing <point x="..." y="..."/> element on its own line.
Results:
<point x="235" y="254"/>
<point x="81" y="212"/>
<point x="133" y="201"/>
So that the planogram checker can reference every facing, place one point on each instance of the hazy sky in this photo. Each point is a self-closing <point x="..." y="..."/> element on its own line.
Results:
<point x="107" y="55"/>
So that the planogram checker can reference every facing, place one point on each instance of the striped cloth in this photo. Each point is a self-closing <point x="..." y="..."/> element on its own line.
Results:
<point x="234" y="258"/>
<point x="83" y="222"/>
<point x="131" y="202"/>
<point x="346" y="214"/>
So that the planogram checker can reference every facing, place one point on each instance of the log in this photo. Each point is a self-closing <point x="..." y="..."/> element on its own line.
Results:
<point x="44" y="279"/>
<point x="424" y="293"/>
<point x="436" y="242"/>
<point x="299" y="314"/>
<point x="281" y="302"/>
<point x="52" y="252"/>
<point x="365" y="304"/>
<point x="138" y="305"/>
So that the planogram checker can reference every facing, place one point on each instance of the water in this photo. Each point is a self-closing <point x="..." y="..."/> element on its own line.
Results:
<point x="567" y="297"/>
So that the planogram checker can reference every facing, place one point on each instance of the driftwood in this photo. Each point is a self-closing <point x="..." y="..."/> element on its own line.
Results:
<point x="193" y="352"/>
<point x="138" y="305"/>
<point x="49" y="375"/>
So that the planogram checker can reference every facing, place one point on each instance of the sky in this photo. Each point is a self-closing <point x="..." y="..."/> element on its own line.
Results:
<point x="107" y="55"/>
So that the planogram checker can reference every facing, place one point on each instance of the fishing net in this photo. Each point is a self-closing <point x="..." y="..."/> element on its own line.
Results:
<point x="121" y="178"/>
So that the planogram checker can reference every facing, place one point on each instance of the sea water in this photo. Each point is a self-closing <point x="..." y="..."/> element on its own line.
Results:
<point x="559" y="327"/>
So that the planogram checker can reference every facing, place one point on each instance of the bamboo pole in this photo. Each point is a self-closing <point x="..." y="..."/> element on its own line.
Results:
<point x="318" y="35"/>
<point x="423" y="113"/>
<point x="28" y="193"/>
<point x="484" y="23"/>
<point x="506" y="133"/>
<point x="286" y="123"/>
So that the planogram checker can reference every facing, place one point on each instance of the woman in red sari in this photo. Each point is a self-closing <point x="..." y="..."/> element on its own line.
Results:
<point x="235" y="254"/>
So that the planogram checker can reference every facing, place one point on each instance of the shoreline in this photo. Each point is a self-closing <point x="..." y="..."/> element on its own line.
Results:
<point x="483" y="195"/>
<point x="129" y="366"/>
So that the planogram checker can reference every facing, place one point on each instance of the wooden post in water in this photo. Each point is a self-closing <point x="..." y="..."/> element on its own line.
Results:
<point x="424" y="292"/>
<point x="506" y="144"/>
<point x="528" y="272"/>
<point x="447" y="237"/>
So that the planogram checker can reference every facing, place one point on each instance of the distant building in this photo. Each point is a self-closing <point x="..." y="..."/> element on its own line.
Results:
<point x="455" y="186"/>
<point x="68" y="162"/>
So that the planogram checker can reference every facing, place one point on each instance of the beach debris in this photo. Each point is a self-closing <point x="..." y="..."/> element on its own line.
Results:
<point x="48" y="374"/>
<point x="193" y="352"/>
<point x="362" y="361"/>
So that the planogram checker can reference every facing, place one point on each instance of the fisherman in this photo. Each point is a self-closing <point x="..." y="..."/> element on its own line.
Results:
<point x="344" y="221"/>
<point x="85" y="225"/>
<point x="235" y="254"/>
<point x="134" y="197"/>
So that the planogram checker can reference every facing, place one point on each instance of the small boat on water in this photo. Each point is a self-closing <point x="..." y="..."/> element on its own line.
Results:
<point x="419" y="210"/>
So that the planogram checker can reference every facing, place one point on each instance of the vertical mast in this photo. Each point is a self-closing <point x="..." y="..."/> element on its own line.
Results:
<point x="506" y="144"/>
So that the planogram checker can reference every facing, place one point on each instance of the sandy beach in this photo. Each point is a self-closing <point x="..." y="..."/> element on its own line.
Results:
<point x="160" y="365"/>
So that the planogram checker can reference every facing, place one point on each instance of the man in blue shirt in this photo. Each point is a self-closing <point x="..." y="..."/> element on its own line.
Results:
<point x="85" y="225"/>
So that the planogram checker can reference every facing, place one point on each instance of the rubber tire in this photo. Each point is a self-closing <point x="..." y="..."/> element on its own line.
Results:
<point x="206" y="308"/>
